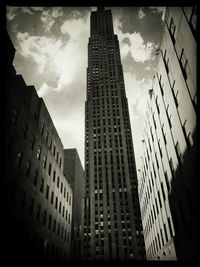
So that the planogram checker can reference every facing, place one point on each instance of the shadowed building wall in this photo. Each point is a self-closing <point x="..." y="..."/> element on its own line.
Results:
<point x="38" y="198"/>
<point x="76" y="178"/>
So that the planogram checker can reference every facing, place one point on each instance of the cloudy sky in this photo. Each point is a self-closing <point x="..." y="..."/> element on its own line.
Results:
<point x="51" y="54"/>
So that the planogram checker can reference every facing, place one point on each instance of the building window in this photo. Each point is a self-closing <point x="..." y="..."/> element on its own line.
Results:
<point x="167" y="181"/>
<point x="56" y="203"/>
<point x="35" y="178"/>
<point x="44" y="161"/>
<point x="38" y="152"/>
<point x="171" y="167"/>
<point x="54" y="176"/>
<point x="170" y="226"/>
<point x="42" y="128"/>
<point x="163" y="192"/>
<point x="19" y="158"/>
<point x="183" y="63"/>
<point x="52" y="196"/>
<point x="32" y="142"/>
<point x="24" y="130"/>
<point x="47" y="192"/>
<point x="14" y="115"/>
<point x="58" y="181"/>
<point x="193" y="18"/>
<point x="60" y="207"/>
<point x="172" y="29"/>
<point x="28" y="167"/>
<point x="178" y="153"/>
<point x="49" y="171"/>
<point x="42" y="185"/>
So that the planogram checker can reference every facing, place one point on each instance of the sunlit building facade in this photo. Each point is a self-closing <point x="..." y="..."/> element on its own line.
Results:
<point x="112" y="220"/>
<point x="38" y="198"/>
<point x="167" y="189"/>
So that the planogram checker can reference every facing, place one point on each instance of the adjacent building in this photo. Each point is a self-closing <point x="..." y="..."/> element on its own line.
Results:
<point x="112" y="220"/>
<point x="76" y="178"/>
<point x="167" y="189"/>
<point x="38" y="198"/>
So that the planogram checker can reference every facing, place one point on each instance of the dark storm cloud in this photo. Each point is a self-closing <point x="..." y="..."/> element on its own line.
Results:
<point x="148" y="26"/>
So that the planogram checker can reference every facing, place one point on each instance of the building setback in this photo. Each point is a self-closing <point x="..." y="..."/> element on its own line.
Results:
<point x="38" y="198"/>
<point x="76" y="178"/>
<point x="112" y="219"/>
<point x="167" y="190"/>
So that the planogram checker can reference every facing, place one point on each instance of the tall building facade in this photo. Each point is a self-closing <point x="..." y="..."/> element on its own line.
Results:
<point x="112" y="219"/>
<point x="38" y="198"/>
<point x="76" y="178"/>
<point x="167" y="190"/>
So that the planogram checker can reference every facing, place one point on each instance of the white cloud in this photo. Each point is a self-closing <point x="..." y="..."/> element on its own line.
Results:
<point x="43" y="90"/>
<point x="136" y="47"/>
<point x="47" y="19"/>
<point x="27" y="10"/>
<point x="159" y="10"/>
<point x="10" y="12"/>
<point x="37" y="8"/>
<point x="66" y="60"/>
<point x="141" y="13"/>
<point x="57" y="12"/>
<point x="139" y="51"/>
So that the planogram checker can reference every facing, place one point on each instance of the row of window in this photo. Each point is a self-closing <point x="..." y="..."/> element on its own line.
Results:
<point x="43" y="217"/>
<point x="35" y="177"/>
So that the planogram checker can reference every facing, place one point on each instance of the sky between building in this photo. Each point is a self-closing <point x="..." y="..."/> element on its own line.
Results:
<point x="51" y="54"/>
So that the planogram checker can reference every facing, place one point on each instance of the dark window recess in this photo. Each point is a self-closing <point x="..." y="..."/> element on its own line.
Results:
<point x="42" y="185"/>
<point x="42" y="128"/>
<point x="172" y="30"/>
<point x="19" y="158"/>
<point x="175" y="97"/>
<point x="167" y="181"/>
<point x="171" y="167"/>
<point x="170" y="226"/>
<point x="14" y="115"/>
<point x="52" y="196"/>
<point x="54" y="176"/>
<point x="178" y="153"/>
<point x="38" y="152"/>
<point x="47" y="192"/>
<point x="49" y="171"/>
<point x="32" y="142"/>
<point x="28" y="167"/>
<point x="163" y="192"/>
<point x="44" y="161"/>
<point x="35" y="178"/>
<point x="24" y="130"/>
<point x="183" y="63"/>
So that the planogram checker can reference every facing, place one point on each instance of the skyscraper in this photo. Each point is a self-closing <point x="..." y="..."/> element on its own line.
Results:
<point x="112" y="219"/>
<point x="167" y="188"/>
